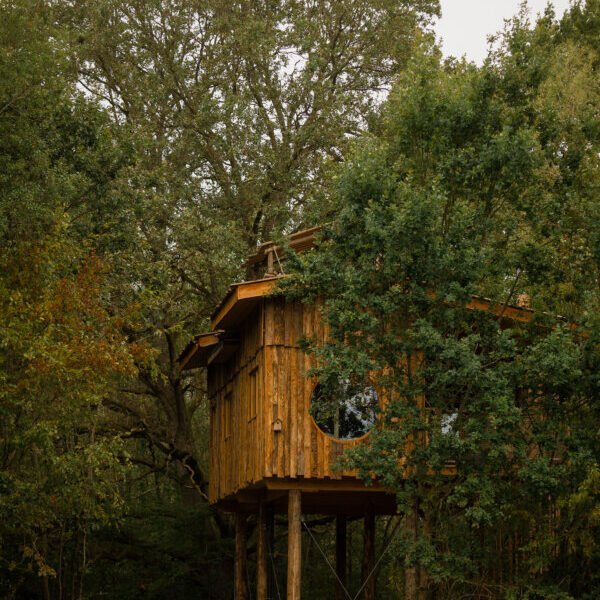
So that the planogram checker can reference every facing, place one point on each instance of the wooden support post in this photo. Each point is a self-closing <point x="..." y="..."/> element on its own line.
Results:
<point x="294" y="569"/>
<point x="241" y="585"/>
<point x="349" y="555"/>
<point x="340" y="556"/>
<point x="423" y="575"/>
<point x="369" y="556"/>
<point x="272" y="584"/>
<point x="262" y="581"/>
<point x="411" y="572"/>
<point x="270" y="265"/>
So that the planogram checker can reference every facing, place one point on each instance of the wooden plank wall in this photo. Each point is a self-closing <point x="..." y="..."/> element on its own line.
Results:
<point x="234" y="426"/>
<point x="246" y="450"/>
<point x="301" y="449"/>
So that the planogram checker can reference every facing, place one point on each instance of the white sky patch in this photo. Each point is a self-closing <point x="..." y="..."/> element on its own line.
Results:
<point x="466" y="24"/>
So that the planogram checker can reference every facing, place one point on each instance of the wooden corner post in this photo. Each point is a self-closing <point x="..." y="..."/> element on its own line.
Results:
<point x="294" y="569"/>
<point x="241" y="585"/>
<point x="340" y="556"/>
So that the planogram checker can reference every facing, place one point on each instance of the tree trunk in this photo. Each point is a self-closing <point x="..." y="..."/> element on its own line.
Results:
<point x="369" y="557"/>
<point x="411" y="572"/>
<point x="272" y="583"/>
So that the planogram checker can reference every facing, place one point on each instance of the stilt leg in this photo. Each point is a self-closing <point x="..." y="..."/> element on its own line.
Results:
<point x="294" y="546"/>
<point x="272" y="584"/>
<point x="369" y="556"/>
<point x="411" y="572"/>
<point x="340" y="556"/>
<point x="241" y="585"/>
<point x="261" y="553"/>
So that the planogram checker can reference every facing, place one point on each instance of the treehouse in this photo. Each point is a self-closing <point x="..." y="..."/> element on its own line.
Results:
<point x="269" y="452"/>
<point x="273" y="447"/>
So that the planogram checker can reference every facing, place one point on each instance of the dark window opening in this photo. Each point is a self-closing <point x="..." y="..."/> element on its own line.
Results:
<point x="343" y="415"/>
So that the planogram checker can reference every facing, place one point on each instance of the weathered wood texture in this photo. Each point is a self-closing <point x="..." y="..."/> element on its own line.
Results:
<point x="294" y="566"/>
<point x="260" y="421"/>
<point x="241" y="536"/>
<point x="340" y="556"/>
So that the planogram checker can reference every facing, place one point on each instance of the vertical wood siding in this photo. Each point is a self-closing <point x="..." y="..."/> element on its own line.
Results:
<point x="268" y="367"/>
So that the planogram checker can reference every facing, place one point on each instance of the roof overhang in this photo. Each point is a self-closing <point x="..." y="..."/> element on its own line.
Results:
<point x="219" y="345"/>
<point x="502" y="311"/>
<point x="208" y="348"/>
<point x="298" y="242"/>
<point x="240" y="301"/>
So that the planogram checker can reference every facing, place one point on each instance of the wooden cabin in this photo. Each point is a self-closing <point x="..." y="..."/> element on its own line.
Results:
<point x="263" y="437"/>
<point x="268" y="453"/>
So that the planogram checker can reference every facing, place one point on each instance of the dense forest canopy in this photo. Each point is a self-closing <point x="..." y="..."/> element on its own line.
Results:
<point x="476" y="183"/>
<point x="147" y="147"/>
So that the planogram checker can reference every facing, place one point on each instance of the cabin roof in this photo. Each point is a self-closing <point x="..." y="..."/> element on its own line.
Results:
<point x="210" y="348"/>
<point x="239" y="301"/>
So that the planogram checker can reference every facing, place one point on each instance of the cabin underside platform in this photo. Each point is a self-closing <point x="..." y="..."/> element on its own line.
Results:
<point x="350" y="497"/>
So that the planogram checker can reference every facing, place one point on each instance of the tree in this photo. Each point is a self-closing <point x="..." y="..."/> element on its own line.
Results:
<point x="192" y="133"/>
<point x="61" y="350"/>
<point x="477" y="183"/>
<point x="235" y="111"/>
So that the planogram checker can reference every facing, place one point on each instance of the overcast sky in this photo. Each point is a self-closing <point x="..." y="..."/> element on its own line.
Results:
<point x="465" y="24"/>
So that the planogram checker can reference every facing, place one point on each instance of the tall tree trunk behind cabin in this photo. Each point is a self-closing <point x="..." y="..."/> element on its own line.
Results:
<point x="423" y="576"/>
<point x="45" y="587"/>
<point x="185" y="444"/>
<point x="368" y="564"/>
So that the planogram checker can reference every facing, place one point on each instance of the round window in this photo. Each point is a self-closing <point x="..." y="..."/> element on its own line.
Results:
<point x="345" y="415"/>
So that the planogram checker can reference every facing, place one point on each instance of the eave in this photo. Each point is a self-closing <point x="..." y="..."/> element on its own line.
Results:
<point x="240" y="300"/>
<point x="298" y="242"/>
<point x="206" y="349"/>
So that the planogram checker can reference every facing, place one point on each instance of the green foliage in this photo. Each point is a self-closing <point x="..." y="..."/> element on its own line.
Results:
<point x="145" y="147"/>
<point x="477" y="183"/>
<point x="60" y="349"/>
